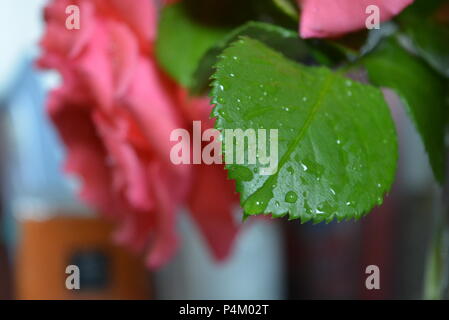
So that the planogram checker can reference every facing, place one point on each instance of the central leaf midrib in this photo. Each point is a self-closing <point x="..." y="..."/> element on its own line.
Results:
<point x="301" y="133"/>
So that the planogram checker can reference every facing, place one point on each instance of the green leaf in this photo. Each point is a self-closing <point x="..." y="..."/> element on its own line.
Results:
<point x="423" y="8"/>
<point x="430" y="40"/>
<point x="182" y="41"/>
<point x="276" y="37"/>
<point x="421" y="91"/>
<point x="424" y="35"/>
<point x="337" y="142"/>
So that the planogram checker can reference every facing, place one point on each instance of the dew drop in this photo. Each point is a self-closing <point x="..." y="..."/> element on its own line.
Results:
<point x="291" y="197"/>
<point x="304" y="167"/>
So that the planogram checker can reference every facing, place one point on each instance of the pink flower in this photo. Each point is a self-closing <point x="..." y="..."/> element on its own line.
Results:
<point x="330" y="18"/>
<point x="115" y="111"/>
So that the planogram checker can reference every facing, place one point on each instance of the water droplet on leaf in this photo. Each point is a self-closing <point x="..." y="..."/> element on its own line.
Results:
<point x="291" y="197"/>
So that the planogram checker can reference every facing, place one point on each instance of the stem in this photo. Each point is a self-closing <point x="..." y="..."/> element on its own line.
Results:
<point x="436" y="285"/>
<point x="288" y="8"/>
<point x="436" y="277"/>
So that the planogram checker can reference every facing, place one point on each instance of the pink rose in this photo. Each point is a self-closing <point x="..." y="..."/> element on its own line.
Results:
<point x="330" y="18"/>
<point x="115" y="111"/>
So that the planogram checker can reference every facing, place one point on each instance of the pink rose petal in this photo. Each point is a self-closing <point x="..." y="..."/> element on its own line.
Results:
<point x="330" y="18"/>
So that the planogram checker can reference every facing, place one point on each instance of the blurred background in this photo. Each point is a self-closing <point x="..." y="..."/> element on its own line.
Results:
<point x="43" y="228"/>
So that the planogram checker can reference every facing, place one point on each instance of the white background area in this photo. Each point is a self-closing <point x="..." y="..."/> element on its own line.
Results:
<point x="20" y="28"/>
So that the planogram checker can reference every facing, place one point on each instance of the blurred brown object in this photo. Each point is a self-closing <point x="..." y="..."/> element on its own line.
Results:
<point x="442" y="15"/>
<point x="47" y="247"/>
<point x="5" y="269"/>
<point x="5" y="272"/>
